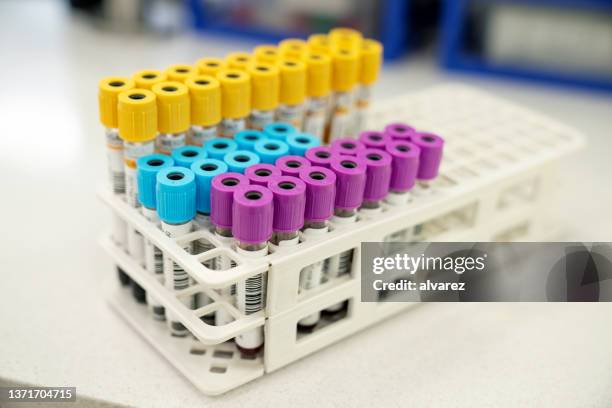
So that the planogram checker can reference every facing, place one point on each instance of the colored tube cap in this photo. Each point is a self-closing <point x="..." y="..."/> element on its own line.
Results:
<point x="147" y="168"/>
<point x="261" y="173"/>
<point x="289" y="203"/>
<point x="378" y="173"/>
<point x="320" y="156"/>
<point x="180" y="72"/>
<point x="266" y="53"/>
<point x="299" y="143"/>
<point x="292" y="48"/>
<point x="431" y="146"/>
<point x="320" y="193"/>
<point x="270" y="150"/>
<point x="108" y="93"/>
<point x="404" y="164"/>
<point x="279" y="130"/>
<point x="373" y="139"/>
<point x="238" y="60"/>
<point x="235" y="93"/>
<point x="146" y="78"/>
<point x="292" y="165"/>
<point x="222" y="197"/>
<point x="345" y="69"/>
<point x="345" y="36"/>
<point x="205" y="170"/>
<point x="205" y="94"/>
<point x="239" y="160"/>
<point x="371" y="60"/>
<point x="319" y="43"/>
<point x="137" y="115"/>
<point x="252" y="213"/>
<point x="184" y="156"/>
<point x="218" y="147"/>
<point x="247" y="138"/>
<point x="265" y="83"/>
<point x="173" y="107"/>
<point x="319" y="71"/>
<point x="347" y="146"/>
<point x="176" y="195"/>
<point x="210" y="66"/>
<point x="292" y="81"/>
<point x="399" y="131"/>
<point x="350" y="181"/>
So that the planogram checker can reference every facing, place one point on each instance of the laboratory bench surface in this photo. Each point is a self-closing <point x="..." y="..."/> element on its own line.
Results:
<point x="57" y="329"/>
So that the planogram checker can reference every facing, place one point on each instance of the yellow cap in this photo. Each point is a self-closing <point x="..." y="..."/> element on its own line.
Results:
<point x="205" y="93"/>
<point x="265" y="84"/>
<point x="319" y="43"/>
<point x="371" y="59"/>
<point x="318" y="68"/>
<point x="345" y="37"/>
<point x="180" y="72"/>
<point x="292" y="48"/>
<point x="238" y="60"/>
<point x="266" y="53"/>
<point x="210" y="66"/>
<point x="146" y="78"/>
<point x="108" y="90"/>
<point x="235" y="93"/>
<point x="292" y="81"/>
<point x="137" y="113"/>
<point x="172" y="107"/>
<point x="345" y="69"/>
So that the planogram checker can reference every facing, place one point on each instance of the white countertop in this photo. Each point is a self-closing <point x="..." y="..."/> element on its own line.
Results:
<point x="56" y="328"/>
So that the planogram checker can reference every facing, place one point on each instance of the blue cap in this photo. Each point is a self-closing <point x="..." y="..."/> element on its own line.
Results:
<point x="185" y="155"/>
<point x="146" y="174"/>
<point x="205" y="170"/>
<point x="269" y="150"/>
<point x="219" y="146"/>
<point x="176" y="195"/>
<point x="300" y="142"/>
<point x="239" y="160"/>
<point x="246" y="139"/>
<point x="279" y="130"/>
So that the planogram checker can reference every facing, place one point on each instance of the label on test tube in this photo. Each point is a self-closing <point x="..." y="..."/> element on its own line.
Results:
<point x="369" y="68"/>
<point x="345" y="70"/>
<point x="318" y="67"/>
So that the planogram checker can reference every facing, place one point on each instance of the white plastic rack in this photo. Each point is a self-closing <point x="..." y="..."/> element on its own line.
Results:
<point x="496" y="184"/>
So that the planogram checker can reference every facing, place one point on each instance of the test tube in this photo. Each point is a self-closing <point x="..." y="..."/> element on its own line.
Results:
<point x="239" y="160"/>
<point x="369" y="69"/>
<point x="173" y="108"/>
<point x="269" y="150"/>
<point x="279" y="130"/>
<point x="181" y="72"/>
<point x="320" y="193"/>
<point x="431" y="147"/>
<point x="404" y="168"/>
<point x="289" y="203"/>
<point x="205" y="95"/>
<point x="221" y="203"/>
<point x="176" y="207"/>
<point x="378" y="178"/>
<point x="146" y="78"/>
<point x="299" y="143"/>
<point x="210" y="66"/>
<point x="252" y="213"/>
<point x="320" y="156"/>
<point x="346" y="146"/>
<point x="261" y="173"/>
<point x="399" y="131"/>
<point x="184" y="156"/>
<point x="137" y="119"/>
<point x="265" y="84"/>
<point x="345" y="70"/>
<point x="247" y="138"/>
<point x="350" y="185"/>
<point x="235" y="101"/>
<point x="294" y="48"/>
<point x="238" y="60"/>
<point x="266" y="53"/>
<point x="319" y="43"/>
<point x="147" y="169"/>
<point x="108" y="92"/>
<point x="292" y="165"/>
<point x="318" y="68"/>
<point x="218" y="147"/>
<point x="292" y="92"/>
<point x="373" y="139"/>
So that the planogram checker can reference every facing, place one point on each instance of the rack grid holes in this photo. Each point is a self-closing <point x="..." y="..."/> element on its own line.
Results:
<point x="513" y="233"/>
<point x="197" y="351"/>
<point x="461" y="218"/>
<point x="223" y="354"/>
<point x="326" y="320"/>
<point x="520" y="193"/>
<point x="218" y="369"/>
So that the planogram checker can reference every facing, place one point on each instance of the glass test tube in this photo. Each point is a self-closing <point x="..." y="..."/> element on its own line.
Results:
<point x="318" y="90"/>
<point x="369" y="68"/>
<point x="289" y="202"/>
<point x="378" y="178"/>
<point x="292" y="92"/>
<point x="345" y="70"/>
<point x="235" y="101"/>
<point x="265" y="83"/>
<point x="173" y="111"/>
<point x="205" y="95"/>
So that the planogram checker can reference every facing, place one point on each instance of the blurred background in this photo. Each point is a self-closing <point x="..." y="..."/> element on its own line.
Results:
<point x="554" y="57"/>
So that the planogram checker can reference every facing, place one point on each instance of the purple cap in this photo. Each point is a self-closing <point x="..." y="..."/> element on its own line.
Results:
<point x="400" y="131"/>
<point x="253" y="211"/>
<point x="289" y="203"/>
<point x="373" y="139"/>
<point x="347" y="146"/>
<point x="320" y="193"/>
<point x="260" y="173"/>
<point x="222" y="196"/>
<point x="350" y="181"/>
<point x="378" y="173"/>
<point x="431" y="146"/>
<point x="319" y="156"/>
<point x="405" y="164"/>
<point x="291" y="165"/>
